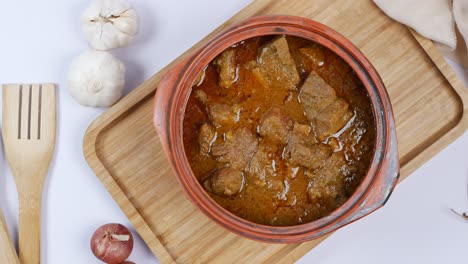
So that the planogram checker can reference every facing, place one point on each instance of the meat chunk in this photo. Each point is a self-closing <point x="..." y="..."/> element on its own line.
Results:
<point x="225" y="181"/>
<point x="206" y="137"/>
<point x="327" y="112"/>
<point x="227" y="68"/>
<point x="275" y="66"/>
<point x="275" y="125"/>
<point x="328" y="183"/>
<point x="238" y="148"/>
<point x="301" y="134"/>
<point x="263" y="170"/>
<point x="332" y="118"/>
<point x="309" y="156"/>
<point x="315" y="95"/>
<point x="262" y="166"/>
<point x="301" y="129"/>
<point x="222" y="114"/>
<point x="301" y="144"/>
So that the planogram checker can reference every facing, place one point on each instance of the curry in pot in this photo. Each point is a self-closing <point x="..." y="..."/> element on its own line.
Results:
<point x="279" y="130"/>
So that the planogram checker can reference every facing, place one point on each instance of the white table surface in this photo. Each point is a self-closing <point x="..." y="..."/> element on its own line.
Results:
<point x="39" y="38"/>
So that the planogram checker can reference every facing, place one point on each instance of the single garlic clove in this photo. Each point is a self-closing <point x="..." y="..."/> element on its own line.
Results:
<point x="96" y="78"/>
<point x="109" y="24"/>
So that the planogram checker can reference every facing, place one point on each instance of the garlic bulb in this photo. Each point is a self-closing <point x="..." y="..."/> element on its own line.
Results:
<point x="109" y="24"/>
<point x="96" y="78"/>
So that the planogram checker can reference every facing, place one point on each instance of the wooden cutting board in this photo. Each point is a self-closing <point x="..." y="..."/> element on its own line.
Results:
<point x="123" y="149"/>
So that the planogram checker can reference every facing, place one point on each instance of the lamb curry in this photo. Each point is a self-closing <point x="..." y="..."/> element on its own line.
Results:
<point x="279" y="130"/>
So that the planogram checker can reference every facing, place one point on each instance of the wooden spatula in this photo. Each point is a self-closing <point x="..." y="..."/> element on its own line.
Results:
<point x="29" y="123"/>
<point x="7" y="250"/>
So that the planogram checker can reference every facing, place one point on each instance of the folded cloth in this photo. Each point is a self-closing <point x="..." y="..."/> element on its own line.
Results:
<point x="444" y="21"/>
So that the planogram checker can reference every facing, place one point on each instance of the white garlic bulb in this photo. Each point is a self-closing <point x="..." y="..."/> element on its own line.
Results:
<point x="109" y="24"/>
<point x="96" y="78"/>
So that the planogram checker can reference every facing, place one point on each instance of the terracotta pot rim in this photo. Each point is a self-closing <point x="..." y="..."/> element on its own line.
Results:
<point x="271" y="25"/>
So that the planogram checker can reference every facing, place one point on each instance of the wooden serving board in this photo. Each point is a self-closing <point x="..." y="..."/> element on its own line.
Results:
<point x="121" y="146"/>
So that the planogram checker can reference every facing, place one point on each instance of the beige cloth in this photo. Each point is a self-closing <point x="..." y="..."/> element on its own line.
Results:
<point x="444" y="21"/>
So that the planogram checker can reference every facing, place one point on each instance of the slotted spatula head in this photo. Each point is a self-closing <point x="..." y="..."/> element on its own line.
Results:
<point x="29" y="124"/>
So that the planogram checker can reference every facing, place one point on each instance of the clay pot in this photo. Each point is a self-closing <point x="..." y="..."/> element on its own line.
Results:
<point x="173" y="93"/>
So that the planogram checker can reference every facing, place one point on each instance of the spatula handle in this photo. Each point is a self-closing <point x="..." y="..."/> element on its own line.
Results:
<point x="7" y="250"/>
<point x="29" y="230"/>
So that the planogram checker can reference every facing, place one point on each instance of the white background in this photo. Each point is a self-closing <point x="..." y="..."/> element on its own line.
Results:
<point x="38" y="40"/>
